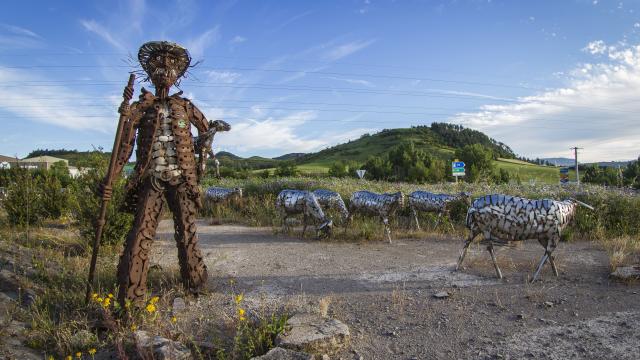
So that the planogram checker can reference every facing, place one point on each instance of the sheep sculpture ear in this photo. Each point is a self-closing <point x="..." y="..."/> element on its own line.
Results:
<point x="581" y="203"/>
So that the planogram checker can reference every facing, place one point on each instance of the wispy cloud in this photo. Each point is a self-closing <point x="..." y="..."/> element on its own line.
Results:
<point x="98" y="29"/>
<point x="12" y="36"/>
<point x="344" y="50"/>
<point x="55" y="105"/>
<point x="272" y="133"/>
<point x="597" y="110"/>
<point x="237" y="39"/>
<point x="226" y="77"/>
<point x="200" y="43"/>
<point x="291" y="20"/>
<point x="352" y="81"/>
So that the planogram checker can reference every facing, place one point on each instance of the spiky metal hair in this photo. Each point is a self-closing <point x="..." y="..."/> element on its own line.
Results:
<point x="150" y="49"/>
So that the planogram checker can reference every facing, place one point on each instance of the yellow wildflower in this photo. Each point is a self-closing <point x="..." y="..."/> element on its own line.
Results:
<point x="92" y="351"/>
<point x="99" y="299"/>
<point x="150" y="308"/>
<point x="94" y="295"/>
<point x="239" y="298"/>
<point x="106" y="303"/>
<point x="174" y="319"/>
<point x="242" y="318"/>
<point x="78" y="355"/>
<point x="50" y="357"/>
<point x="69" y="357"/>
<point x="154" y="300"/>
<point x="134" y="327"/>
<point x="110" y="296"/>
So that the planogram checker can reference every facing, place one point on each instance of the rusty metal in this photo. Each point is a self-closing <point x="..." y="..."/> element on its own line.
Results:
<point x="203" y="144"/>
<point x="108" y="180"/>
<point x="160" y="127"/>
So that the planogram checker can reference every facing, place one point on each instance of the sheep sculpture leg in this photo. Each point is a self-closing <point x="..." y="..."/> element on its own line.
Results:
<point x="415" y="216"/>
<point x="387" y="230"/>
<point x="553" y="265"/>
<point x="463" y="253"/>
<point x="304" y="224"/>
<point x="493" y="258"/>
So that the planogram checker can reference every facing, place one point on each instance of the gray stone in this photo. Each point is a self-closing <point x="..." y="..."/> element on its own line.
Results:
<point x="159" y="348"/>
<point x="441" y="295"/>
<point x="178" y="304"/>
<point x="313" y="333"/>
<point x="627" y="272"/>
<point x="83" y="339"/>
<point x="279" y="353"/>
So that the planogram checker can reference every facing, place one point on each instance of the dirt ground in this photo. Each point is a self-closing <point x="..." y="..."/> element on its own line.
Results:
<point x="385" y="294"/>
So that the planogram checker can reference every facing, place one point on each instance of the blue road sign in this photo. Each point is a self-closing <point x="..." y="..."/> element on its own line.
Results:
<point x="457" y="164"/>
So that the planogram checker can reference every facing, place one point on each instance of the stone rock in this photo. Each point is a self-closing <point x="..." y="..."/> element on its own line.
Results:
<point x="313" y="333"/>
<point x="441" y="295"/>
<point x="279" y="353"/>
<point x="627" y="272"/>
<point x="178" y="304"/>
<point x="83" y="339"/>
<point x="159" y="348"/>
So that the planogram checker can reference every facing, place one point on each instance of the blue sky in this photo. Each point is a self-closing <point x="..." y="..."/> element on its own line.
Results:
<point x="298" y="76"/>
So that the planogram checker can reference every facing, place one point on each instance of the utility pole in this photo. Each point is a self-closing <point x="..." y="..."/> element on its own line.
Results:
<point x="575" y="152"/>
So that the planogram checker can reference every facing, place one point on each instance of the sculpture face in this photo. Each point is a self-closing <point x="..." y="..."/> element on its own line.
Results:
<point x="165" y="69"/>
<point x="164" y="62"/>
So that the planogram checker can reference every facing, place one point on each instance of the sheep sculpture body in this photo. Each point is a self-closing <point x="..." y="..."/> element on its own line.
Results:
<point x="294" y="202"/>
<point x="218" y="195"/>
<point x="332" y="200"/>
<point x="503" y="218"/>
<point x="382" y="205"/>
<point x="430" y="202"/>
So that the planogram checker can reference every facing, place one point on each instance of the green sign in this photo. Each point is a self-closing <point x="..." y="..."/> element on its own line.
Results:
<point x="458" y="170"/>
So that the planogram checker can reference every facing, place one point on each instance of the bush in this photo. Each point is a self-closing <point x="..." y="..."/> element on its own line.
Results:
<point x="286" y="168"/>
<point x="87" y="204"/>
<point x="23" y="203"/>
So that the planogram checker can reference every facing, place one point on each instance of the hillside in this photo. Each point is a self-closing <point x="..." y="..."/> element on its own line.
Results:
<point x="439" y="140"/>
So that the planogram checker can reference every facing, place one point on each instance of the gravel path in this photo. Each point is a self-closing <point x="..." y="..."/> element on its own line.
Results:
<point x="385" y="294"/>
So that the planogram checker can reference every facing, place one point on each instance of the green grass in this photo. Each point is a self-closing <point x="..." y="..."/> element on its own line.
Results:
<point x="531" y="172"/>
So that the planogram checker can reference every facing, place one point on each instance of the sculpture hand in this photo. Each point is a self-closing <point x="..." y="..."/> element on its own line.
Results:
<point x="105" y="191"/>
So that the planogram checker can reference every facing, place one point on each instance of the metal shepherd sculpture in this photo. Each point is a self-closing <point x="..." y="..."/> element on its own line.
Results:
<point x="160" y="127"/>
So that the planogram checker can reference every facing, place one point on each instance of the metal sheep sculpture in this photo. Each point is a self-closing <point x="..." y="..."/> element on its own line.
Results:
<point x="436" y="203"/>
<point x="502" y="218"/>
<point x="293" y="202"/>
<point x="383" y="205"/>
<point x="332" y="200"/>
<point x="219" y="195"/>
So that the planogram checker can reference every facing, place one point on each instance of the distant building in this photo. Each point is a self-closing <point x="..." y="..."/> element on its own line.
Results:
<point x="5" y="161"/>
<point x="38" y="162"/>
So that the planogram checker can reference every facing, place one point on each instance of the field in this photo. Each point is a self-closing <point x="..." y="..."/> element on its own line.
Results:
<point x="383" y="292"/>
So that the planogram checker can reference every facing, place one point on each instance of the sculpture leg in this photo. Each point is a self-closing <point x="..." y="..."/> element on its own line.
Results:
<point x="387" y="230"/>
<point x="437" y="221"/>
<point x="192" y="267"/>
<point x="415" y="216"/>
<point x="449" y="220"/>
<point x="304" y="225"/>
<point x="553" y="265"/>
<point x="542" y="261"/>
<point x="464" y="250"/>
<point x="495" y="263"/>
<point x="134" y="260"/>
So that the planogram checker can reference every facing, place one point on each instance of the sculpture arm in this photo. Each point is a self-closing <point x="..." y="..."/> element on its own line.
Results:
<point x="196" y="117"/>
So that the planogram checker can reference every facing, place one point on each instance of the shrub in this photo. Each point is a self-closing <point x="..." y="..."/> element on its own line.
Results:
<point x="87" y="204"/>
<point x="23" y="203"/>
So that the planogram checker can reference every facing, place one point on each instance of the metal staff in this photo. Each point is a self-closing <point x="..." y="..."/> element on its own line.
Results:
<point x="108" y="180"/>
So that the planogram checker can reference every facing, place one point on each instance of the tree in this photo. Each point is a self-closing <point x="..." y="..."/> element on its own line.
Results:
<point x="377" y="168"/>
<point x="478" y="160"/>
<point x="286" y="168"/>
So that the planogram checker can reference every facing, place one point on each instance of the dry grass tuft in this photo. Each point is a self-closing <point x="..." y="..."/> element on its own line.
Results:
<point x="623" y="250"/>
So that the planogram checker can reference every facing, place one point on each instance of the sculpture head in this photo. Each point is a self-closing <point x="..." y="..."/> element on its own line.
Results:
<point x="324" y="229"/>
<point x="238" y="191"/>
<point x="465" y="197"/>
<point x="219" y="125"/>
<point x="164" y="62"/>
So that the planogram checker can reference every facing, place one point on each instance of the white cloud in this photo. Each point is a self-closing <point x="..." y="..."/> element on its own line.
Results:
<point x="199" y="44"/>
<point x="597" y="110"/>
<point x="55" y="105"/>
<point x="353" y="81"/>
<point x="94" y="27"/>
<point x="595" y="47"/>
<point x="347" y="49"/>
<point x="271" y="134"/>
<point x="13" y="37"/>
<point x="226" y="77"/>
<point x="238" y="39"/>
